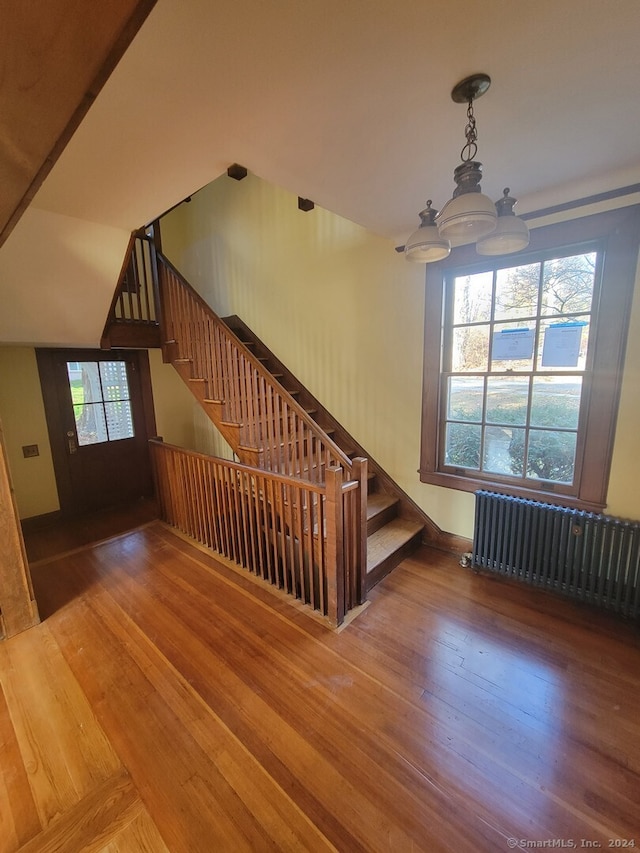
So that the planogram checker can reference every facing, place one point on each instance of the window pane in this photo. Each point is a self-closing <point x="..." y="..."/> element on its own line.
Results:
<point x="551" y="455"/>
<point x="462" y="446"/>
<point x="503" y="335"/>
<point x="90" y="423"/>
<point x="563" y="345"/>
<point x="555" y="401"/>
<point x="517" y="292"/>
<point x="472" y="298"/>
<point x="507" y="399"/>
<point x="465" y="398"/>
<point x="568" y="284"/>
<point x="119" y="420"/>
<point x="470" y="349"/>
<point x="84" y="381"/>
<point x="114" y="380"/>
<point x="503" y="450"/>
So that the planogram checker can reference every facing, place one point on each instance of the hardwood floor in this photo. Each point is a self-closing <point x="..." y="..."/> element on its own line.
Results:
<point x="168" y="703"/>
<point x="52" y="537"/>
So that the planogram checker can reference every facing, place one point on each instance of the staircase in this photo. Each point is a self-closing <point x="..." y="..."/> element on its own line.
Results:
<point x="395" y="526"/>
<point x="269" y="419"/>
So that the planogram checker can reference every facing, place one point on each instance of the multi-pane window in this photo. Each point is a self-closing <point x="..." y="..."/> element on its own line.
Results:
<point x="515" y="364"/>
<point x="101" y="401"/>
<point x="523" y="362"/>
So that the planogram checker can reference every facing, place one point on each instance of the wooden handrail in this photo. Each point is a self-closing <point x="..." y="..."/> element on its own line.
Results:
<point x="268" y="418"/>
<point x="295" y="534"/>
<point x="133" y="318"/>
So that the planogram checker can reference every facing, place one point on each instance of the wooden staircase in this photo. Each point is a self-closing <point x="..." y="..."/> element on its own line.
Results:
<point x="269" y="419"/>
<point x="395" y="525"/>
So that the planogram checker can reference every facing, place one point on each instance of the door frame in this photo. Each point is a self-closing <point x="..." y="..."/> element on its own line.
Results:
<point x="46" y="360"/>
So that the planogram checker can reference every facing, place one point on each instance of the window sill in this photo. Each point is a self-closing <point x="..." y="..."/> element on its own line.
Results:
<point x="470" y="484"/>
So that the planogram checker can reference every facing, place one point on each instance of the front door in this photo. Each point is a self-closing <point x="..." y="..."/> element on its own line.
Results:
<point x="100" y="417"/>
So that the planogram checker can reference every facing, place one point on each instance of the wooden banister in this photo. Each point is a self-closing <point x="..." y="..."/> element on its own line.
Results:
<point x="270" y="420"/>
<point x="289" y="532"/>
<point x="133" y="315"/>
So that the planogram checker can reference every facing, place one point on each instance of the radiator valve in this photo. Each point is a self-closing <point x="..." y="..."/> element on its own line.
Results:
<point x="466" y="559"/>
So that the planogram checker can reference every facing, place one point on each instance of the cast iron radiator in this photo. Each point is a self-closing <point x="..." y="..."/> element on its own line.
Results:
<point x="590" y="557"/>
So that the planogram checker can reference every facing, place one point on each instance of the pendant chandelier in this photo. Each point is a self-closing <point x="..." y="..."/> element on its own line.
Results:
<point x="469" y="216"/>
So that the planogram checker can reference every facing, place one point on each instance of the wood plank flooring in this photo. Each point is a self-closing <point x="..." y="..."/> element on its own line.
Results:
<point x="167" y="702"/>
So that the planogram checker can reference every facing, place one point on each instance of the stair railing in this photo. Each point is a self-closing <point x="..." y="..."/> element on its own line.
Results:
<point x="134" y="307"/>
<point x="300" y="536"/>
<point x="270" y="422"/>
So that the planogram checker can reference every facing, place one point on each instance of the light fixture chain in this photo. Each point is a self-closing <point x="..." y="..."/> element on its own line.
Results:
<point x="470" y="150"/>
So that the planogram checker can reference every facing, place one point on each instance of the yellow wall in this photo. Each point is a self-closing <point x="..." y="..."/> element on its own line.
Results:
<point x="345" y="312"/>
<point x="23" y="421"/>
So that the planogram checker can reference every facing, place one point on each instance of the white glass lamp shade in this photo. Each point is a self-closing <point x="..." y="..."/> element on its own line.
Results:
<point x="511" y="233"/>
<point x="425" y="246"/>
<point x="467" y="217"/>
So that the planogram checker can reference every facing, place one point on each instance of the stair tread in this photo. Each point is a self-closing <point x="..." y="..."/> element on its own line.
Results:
<point x="378" y="502"/>
<point x="388" y="539"/>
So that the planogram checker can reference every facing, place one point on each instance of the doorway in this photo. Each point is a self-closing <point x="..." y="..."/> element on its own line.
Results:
<point x="99" y="410"/>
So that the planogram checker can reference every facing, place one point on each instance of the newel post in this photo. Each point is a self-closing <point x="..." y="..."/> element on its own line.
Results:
<point x="334" y="565"/>
<point x="359" y="574"/>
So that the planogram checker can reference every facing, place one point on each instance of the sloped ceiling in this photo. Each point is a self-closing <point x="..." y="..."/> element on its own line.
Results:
<point x="346" y="103"/>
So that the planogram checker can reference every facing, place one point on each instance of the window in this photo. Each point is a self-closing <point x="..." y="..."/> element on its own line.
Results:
<point x="522" y="376"/>
<point x="101" y="401"/>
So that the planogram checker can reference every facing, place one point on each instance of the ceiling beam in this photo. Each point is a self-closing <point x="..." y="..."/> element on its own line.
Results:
<point x="56" y="57"/>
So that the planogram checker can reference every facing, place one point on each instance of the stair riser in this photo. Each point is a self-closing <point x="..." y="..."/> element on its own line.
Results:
<point x="380" y="519"/>
<point x="382" y="569"/>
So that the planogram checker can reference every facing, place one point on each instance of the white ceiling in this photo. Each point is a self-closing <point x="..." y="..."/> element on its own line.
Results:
<point x="347" y="102"/>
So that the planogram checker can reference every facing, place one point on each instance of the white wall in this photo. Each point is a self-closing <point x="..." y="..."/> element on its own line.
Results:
<point x="57" y="277"/>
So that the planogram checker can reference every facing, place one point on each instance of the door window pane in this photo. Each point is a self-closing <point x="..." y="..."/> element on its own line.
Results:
<point x="101" y="402"/>
<point x="114" y="380"/>
<point x="119" y="420"/>
<point x="90" y="424"/>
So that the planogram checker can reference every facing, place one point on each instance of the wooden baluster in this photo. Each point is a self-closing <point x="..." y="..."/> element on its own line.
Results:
<point x="247" y="375"/>
<point x="199" y="499"/>
<point x="135" y="261"/>
<point x="287" y="509"/>
<point x="214" y="502"/>
<point x="262" y="538"/>
<point x="297" y="534"/>
<point x="146" y="250"/>
<point x="238" y="516"/>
